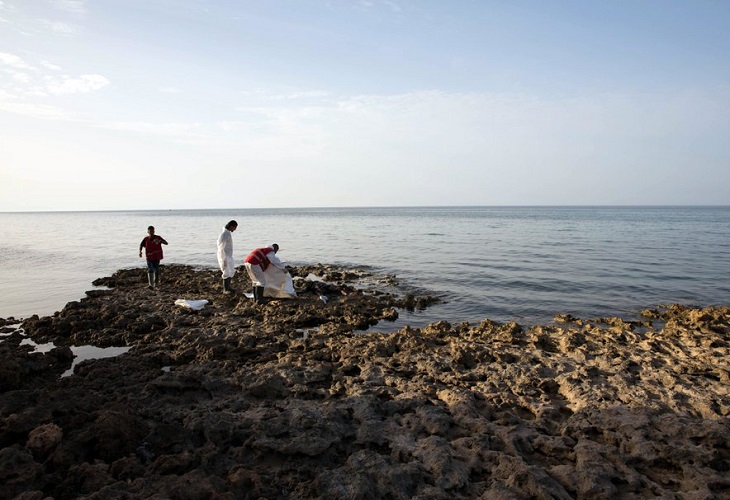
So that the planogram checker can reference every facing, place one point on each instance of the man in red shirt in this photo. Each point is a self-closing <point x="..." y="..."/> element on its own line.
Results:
<point x="152" y="245"/>
<point x="256" y="263"/>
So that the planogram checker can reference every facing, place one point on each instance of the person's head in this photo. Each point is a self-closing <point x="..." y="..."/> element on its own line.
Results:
<point x="275" y="247"/>
<point x="232" y="225"/>
<point x="151" y="230"/>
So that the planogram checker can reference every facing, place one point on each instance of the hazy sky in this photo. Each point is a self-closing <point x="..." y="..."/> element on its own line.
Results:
<point x="136" y="104"/>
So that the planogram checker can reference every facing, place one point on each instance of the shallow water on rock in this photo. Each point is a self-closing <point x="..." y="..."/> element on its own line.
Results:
<point x="87" y="352"/>
<point x="80" y="353"/>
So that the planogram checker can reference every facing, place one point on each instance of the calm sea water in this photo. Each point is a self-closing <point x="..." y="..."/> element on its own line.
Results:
<point x="504" y="263"/>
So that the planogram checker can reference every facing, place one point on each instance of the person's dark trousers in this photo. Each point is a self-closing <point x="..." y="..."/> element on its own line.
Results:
<point x="153" y="272"/>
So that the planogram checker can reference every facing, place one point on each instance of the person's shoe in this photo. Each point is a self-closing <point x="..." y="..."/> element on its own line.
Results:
<point x="227" y="286"/>
<point x="259" y="294"/>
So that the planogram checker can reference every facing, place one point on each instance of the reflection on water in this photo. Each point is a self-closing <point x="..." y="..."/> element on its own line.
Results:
<point x="10" y="329"/>
<point x="39" y="347"/>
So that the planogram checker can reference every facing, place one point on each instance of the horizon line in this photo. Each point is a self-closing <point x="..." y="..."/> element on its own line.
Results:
<point x="360" y="207"/>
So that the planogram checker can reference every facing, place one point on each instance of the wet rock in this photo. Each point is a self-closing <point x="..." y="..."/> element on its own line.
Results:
<point x="18" y="470"/>
<point x="286" y="400"/>
<point x="114" y="434"/>
<point x="43" y="439"/>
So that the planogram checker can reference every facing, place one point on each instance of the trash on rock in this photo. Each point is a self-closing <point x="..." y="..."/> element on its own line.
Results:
<point x="195" y="305"/>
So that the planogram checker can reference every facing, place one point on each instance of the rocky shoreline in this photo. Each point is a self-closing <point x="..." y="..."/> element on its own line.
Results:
<point x="283" y="400"/>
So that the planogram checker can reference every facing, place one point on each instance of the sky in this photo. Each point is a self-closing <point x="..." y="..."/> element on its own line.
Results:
<point x="187" y="104"/>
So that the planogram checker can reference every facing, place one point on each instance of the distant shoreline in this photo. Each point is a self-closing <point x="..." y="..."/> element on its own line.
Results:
<point x="316" y="208"/>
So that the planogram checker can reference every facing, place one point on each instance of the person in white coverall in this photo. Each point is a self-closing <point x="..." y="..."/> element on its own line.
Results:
<point x="225" y="255"/>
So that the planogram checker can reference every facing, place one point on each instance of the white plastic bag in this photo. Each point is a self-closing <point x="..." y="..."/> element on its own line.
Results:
<point x="195" y="305"/>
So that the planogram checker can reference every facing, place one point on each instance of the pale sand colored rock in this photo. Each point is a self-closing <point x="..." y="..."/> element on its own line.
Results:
<point x="584" y="408"/>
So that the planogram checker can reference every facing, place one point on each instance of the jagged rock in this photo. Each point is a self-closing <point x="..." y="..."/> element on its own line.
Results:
<point x="288" y="400"/>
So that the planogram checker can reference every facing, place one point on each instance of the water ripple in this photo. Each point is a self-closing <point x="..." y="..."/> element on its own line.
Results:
<point x="523" y="263"/>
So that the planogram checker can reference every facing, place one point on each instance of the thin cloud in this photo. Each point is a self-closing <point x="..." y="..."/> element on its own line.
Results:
<point x="5" y="7"/>
<point x="394" y="7"/>
<point x="28" y="109"/>
<point x="73" y="6"/>
<point x="59" y="17"/>
<point x="19" y="76"/>
<point x="284" y="94"/>
<point x="81" y="84"/>
<point x="171" y="90"/>
<point x="301" y="95"/>
<point x="50" y="66"/>
<point x="170" y="130"/>
<point x="33" y="81"/>
<point x="14" y="61"/>
<point x="26" y="88"/>
<point x="389" y="4"/>
<point x="60" y="27"/>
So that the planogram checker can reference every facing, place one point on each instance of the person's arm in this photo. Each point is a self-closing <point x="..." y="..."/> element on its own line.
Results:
<point x="275" y="261"/>
<point x="228" y="244"/>
<point x="162" y="240"/>
<point x="141" y="246"/>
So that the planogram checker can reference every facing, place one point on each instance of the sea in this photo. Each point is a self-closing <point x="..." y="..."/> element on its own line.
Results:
<point x="523" y="264"/>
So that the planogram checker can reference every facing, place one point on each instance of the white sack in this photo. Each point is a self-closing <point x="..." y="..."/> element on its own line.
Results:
<point x="279" y="284"/>
<point x="195" y="305"/>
